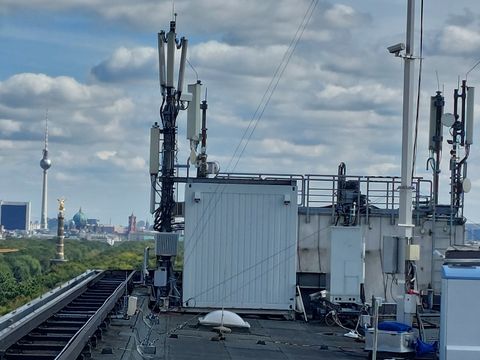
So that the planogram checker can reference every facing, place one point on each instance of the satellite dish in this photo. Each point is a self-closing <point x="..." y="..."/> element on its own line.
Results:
<point x="448" y="119"/>
<point x="466" y="185"/>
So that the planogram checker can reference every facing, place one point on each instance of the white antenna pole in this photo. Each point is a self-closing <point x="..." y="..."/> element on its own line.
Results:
<point x="46" y="129"/>
<point x="183" y="57"/>
<point x="161" y="59"/>
<point x="405" y="202"/>
<point x="171" y="46"/>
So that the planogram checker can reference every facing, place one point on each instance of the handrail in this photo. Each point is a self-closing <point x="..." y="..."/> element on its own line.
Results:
<point x="76" y="344"/>
<point x="315" y="190"/>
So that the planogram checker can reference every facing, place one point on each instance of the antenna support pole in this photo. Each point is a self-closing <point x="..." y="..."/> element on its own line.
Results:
<point x="405" y="202"/>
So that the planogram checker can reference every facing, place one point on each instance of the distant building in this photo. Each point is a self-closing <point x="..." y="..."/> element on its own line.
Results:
<point x="52" y="224"/>
<point x="107" y="229"/>
<point x="93" y="222"/>
<point x="15" y="215"/>
<point x="80" y="219"/>
<point x="132" y="224"/>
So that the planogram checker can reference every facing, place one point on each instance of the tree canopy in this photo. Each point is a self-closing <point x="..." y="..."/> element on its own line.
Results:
<point x="27" y="273"/>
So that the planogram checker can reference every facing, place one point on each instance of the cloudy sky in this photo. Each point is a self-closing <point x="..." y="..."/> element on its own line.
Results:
<point x="93" y="64"/>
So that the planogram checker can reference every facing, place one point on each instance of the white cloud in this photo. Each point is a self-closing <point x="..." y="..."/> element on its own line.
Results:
<point x="282" y="148"/>
<point x="123" y="160"/>
<point x="8" y="126"/>
<point x="27" y="89"/>
<point x="237" y="59"/>
<point x="127" y="65"/>
<point x="344" y="16"/>
<point x="459" y="40"/>
<point x="105" y="154"/>
<point x="7" y="144"/>
<point x="375" y="97"/>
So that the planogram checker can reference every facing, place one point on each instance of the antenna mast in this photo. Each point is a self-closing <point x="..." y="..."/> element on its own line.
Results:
<point x="405" y="201"/>
<point x="163" y="147"/>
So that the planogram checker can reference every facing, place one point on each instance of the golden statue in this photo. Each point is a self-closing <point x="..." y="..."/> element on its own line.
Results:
<point x="61" y="205"/>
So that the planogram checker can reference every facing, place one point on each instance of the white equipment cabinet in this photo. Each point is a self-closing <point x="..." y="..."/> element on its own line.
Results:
<point x="460" y="317"/>
<point x="347" y="264"/>
<point x="240" y="244"/>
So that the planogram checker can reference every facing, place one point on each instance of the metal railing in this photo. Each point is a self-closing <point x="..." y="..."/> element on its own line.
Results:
<point x="378" y="194"/>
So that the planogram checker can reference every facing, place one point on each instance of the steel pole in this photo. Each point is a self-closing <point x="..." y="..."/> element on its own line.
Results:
<point x="405" y="201"/>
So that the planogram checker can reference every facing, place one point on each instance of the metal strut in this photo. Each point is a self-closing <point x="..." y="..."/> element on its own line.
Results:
<point x="163" y="215"/>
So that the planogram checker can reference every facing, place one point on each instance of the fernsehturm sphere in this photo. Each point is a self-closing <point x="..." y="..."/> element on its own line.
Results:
<point x="45" y="164"/>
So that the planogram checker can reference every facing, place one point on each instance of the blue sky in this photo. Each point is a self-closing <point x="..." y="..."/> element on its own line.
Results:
<point x="93" y="64"/>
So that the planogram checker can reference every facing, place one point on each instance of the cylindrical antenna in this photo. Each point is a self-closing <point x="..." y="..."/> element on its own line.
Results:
<point x="161" y="58"/>
<point x="469" y="119"/>
<point x="183" y="57"/>
<point x="171" y="46"/>
<point x="433" y="124"/>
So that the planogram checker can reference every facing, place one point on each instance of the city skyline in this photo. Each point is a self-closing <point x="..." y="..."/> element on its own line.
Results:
<point x="93" y="65"/>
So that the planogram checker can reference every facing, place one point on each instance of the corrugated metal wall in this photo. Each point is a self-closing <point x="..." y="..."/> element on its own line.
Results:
<point x="240" y="246"/>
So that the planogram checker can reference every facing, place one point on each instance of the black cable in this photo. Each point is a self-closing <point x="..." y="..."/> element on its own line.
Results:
<point x="287" y="55"/>
<point x="303" y="27"/>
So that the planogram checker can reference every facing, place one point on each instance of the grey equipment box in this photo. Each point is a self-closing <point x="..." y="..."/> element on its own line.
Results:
<point x="391" y="341"/>
<point x="166" y="244"/>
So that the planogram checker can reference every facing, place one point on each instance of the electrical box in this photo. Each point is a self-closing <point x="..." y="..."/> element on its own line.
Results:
<point x="160" y="277"/>
<point x="166" y="244"/>
<point x="410" y="304"/>
<point x="459" y="315"/>
<point x="390" y="254"/>
<point x="347" y="264"/>
<point x="132" y="305"/>
<point x="391" y="341"/>
<point x="412" y="252"/>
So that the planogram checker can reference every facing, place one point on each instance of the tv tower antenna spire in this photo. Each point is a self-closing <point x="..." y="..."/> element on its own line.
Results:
<point x="45" y="164"/>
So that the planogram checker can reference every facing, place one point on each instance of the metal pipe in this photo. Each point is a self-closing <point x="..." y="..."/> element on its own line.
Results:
<point x="375" y="327"/>
<point x="462" y="119"/>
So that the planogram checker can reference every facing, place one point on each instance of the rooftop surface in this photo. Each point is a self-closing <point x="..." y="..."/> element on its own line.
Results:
<point x="178" y="336"/>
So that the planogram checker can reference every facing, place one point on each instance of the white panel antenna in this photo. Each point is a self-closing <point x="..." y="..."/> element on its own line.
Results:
<point x="194" y="124"/>
<point x="154" y="149"/>
<point x="171" y="46"/>
<point x="183" y="57"/>
<point x="154" y="163"/>
<point x="161" y="59"/>
<point x="470" y="116"/>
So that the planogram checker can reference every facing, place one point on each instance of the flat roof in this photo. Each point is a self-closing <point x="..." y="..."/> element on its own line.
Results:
<point x="178" y="336"/>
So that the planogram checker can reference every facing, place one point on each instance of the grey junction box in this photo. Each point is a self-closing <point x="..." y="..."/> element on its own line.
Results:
<point x="166" y="244"/>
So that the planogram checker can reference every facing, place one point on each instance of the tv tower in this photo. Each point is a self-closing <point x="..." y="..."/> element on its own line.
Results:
<point x="45" y="164"/>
